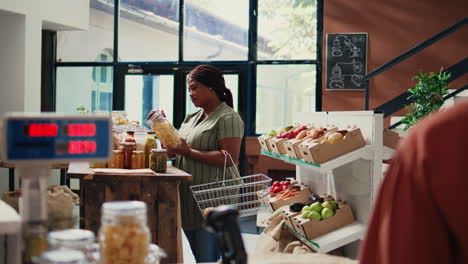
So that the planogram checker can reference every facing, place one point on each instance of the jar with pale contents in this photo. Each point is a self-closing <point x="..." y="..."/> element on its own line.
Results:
<point x="138" y="159"/>
<point x="158" y="160"/>
<point x="164" y="130"/>
<point x="63" y="257"/>
<point x="127" y="149"/>
<point x="150" y="144"/>
<point x="73" y="239"/>
<point x="117" y="159"/>
<point x="124" y="235"/>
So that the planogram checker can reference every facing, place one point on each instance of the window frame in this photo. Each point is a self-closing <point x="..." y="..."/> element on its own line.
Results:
<point x="246" y="69"/>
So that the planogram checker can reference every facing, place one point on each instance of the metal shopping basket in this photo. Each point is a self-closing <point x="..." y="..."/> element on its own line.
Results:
<point x="240" y="192"/>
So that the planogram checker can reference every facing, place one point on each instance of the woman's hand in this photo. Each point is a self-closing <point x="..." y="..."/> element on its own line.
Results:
<point x="181" y="149"/>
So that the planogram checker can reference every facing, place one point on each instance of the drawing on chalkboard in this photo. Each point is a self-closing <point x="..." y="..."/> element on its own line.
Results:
<point x="346" y="60"/>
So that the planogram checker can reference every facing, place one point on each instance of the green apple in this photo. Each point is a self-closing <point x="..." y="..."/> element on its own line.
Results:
<point x="305" y="214"/>
<point x="314" y="215"/>
<point x="317" y="207"/>
<point x="305" y="209"/>
<point x="326" y="213"/>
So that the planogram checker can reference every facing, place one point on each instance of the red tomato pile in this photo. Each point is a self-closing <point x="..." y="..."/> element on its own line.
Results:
<point x="278" y="186"/>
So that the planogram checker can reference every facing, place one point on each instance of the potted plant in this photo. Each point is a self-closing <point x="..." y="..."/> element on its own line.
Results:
<point x="428" y="95"/>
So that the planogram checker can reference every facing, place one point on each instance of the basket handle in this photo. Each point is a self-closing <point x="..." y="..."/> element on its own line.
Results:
<point x="226" y="155"/>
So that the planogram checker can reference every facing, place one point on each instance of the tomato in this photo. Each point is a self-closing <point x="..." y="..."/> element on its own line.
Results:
<point x="276" y="189"/>
<point x="286" y="183"/>
<point x="276" y="183"/>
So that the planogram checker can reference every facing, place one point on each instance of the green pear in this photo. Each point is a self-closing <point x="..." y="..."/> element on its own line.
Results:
<point x="327" y="213"/>
<point x="305" y="214"/>
<point x="314" y="215"/>
<point x="305" y="209"/>
<point x="317" y="207"/>
<point x="328" y="204"/>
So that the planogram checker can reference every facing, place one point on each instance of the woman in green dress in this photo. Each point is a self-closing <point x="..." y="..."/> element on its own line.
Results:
<point x="215" y="127"/>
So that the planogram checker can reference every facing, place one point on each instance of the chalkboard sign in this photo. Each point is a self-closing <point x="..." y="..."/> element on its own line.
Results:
<point x="346" y="61"/>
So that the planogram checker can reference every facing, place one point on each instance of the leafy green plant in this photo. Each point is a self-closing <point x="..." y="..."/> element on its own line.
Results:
<point x="428" y="95"/>
<point x="82" y="110"/>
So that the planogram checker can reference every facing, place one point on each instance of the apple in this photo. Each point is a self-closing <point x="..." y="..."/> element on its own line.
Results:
<point x="326" y="213"/>
<point x="317" y="207"/>
<point x="314" y="215"/>
<point x="276" y="189"/>
<point x="276" y="183"/>
<point x="285" y="183"/>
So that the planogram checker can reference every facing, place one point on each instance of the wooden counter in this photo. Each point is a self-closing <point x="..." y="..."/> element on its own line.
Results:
<point x="160" y="192"/>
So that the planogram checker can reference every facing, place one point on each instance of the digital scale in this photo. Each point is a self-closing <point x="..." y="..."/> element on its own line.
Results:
<point x="33" y="142"/>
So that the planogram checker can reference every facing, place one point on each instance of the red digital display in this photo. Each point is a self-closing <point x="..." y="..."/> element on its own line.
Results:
<point x="81" y="147"/>
<point x="42" y="130"/>
<point x="81" y="130"/>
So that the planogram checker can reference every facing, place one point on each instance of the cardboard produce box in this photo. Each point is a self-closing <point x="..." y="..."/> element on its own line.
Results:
<point x="390" y="138"/>
<point x="312" y="228"/>
<point x="317" y="152"/>
<point x="263" y="140"/>
<point x="288" y="215"/>
<point x="292" y="148"/>
<point x="301" y="197"/>
<point x="277" y="145"/>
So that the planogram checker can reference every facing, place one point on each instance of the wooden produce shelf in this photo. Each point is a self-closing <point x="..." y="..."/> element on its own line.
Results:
<point x="361" y="153"/>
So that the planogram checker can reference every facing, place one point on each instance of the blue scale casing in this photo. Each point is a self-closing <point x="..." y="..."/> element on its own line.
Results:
<point x="22" y="147"/>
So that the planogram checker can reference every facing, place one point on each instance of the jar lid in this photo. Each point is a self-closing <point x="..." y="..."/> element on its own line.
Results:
<point x="63" y="257"/>
<point x="128" y="143"/>
<point x="71" y="238"/>
<point x="116" y="151"/>
<point x="150" y="132"/>
<point x="159" y="150"/>
<point x="123" y="208"/>
<point x="130" y="132"/>
<point x="138" y="152"/>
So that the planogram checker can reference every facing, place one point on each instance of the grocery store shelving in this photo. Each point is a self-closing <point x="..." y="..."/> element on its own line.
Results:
<point x="332" y="240"/>
<point x="363" y="153"/>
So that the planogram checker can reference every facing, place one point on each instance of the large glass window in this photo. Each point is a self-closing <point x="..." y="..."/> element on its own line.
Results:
<point x="90" y="87"/>
<point x="287" y="29"/>
<point x="85" y="45"/>
<point x="283" y="91"/>
<point x="146" y="92"/>
<point x="148" y="30"/>
<point x="216" y="30"/>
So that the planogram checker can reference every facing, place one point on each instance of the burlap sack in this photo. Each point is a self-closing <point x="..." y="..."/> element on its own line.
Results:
<point x="60" y="203"/>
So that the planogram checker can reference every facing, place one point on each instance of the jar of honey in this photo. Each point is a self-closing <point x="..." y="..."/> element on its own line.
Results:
<point x="158" y="160"/>
<point x="117" y="159"/>
<point x="138" y="159"/>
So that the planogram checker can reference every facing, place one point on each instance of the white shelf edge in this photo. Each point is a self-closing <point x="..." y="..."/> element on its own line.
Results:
<point x="337" y="238"/>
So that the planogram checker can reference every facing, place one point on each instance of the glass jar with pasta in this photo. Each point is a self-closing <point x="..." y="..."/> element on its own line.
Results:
<point x="73" y="239"/>
<point x="164" y="130"/>
<point x="124" y="236"/>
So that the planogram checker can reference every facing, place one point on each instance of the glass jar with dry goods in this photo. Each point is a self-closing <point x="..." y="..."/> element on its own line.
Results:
<point x="117" y="159"/>
<point x="127" y="149"/>
<point x="138" y="159"/>
<point x="74" y="239"/>
<point x="63" y="257"/>
<point x="34" y="241"/>
<point x="158" y="160"/>
<point x="124" y="235"/>
<point x="130" y="137"/>
<point x="164" y="130"/>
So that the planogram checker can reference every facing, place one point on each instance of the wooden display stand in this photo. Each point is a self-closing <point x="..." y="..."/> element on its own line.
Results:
<point x="159" y="191"/>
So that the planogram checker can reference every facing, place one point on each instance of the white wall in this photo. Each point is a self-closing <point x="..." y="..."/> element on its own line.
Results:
<point x="21" y="22"/>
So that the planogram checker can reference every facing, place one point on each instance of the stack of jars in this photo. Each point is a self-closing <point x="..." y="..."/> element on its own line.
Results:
<point x="127" y="156"/>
